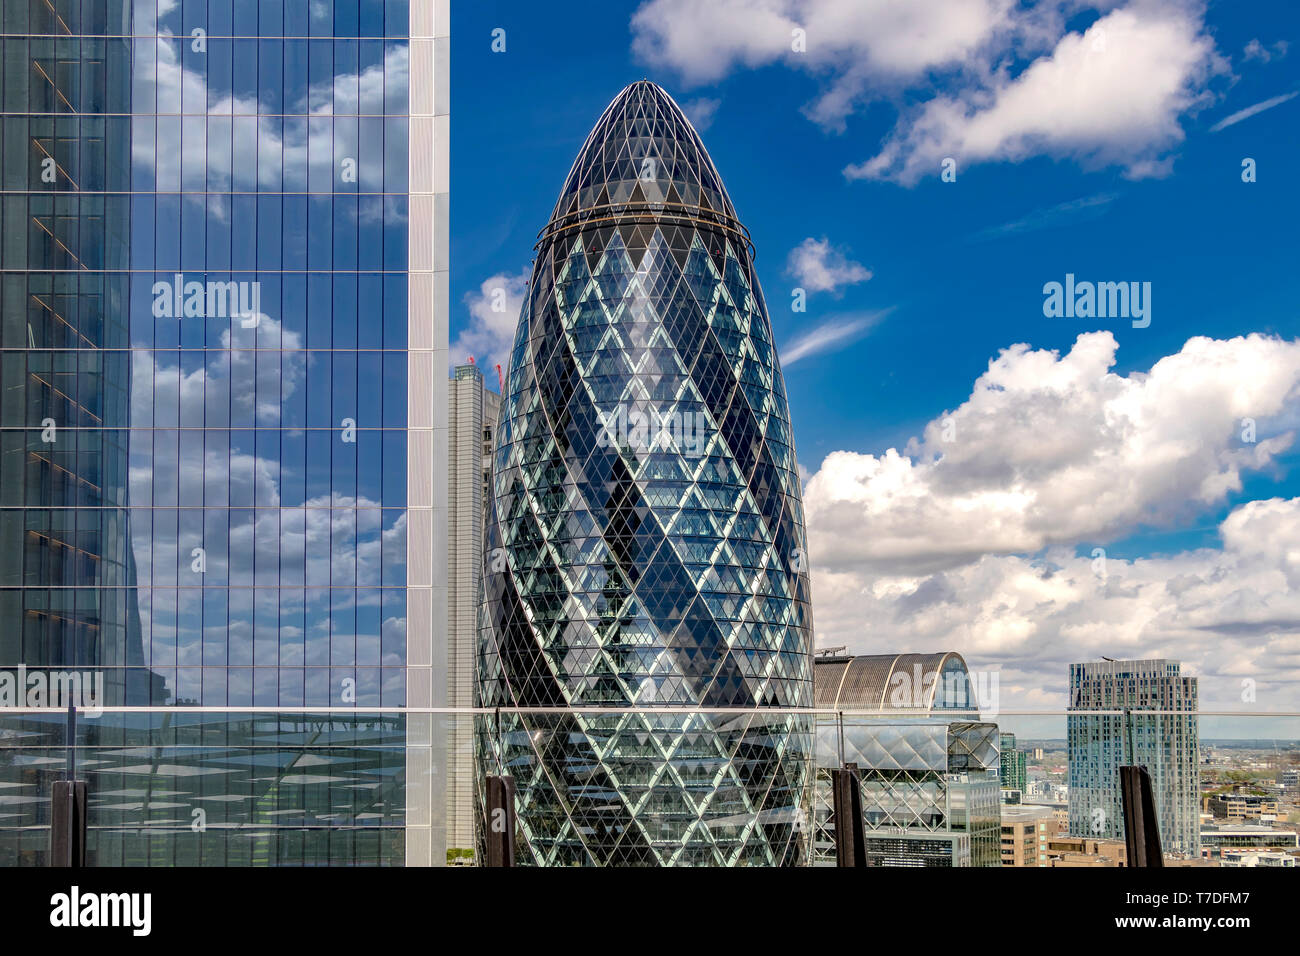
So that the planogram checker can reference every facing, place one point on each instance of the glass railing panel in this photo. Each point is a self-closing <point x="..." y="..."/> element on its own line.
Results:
<point x="174" y="786"/>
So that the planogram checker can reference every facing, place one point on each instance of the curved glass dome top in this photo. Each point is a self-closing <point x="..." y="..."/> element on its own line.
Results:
<point x="643" y="156"/>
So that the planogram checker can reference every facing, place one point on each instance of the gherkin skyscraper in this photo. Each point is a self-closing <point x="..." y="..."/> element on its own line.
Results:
<point x="645" y="617"/>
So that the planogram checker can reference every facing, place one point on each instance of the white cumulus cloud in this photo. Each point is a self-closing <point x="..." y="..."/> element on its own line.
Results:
<point x="817" y="266"/>
<point x="987" y="534"/>
<point x="1056" y="450"/>
<point x="1229" y="614"/>
<point x="1113" y="95"/>
<point x="700" y="111"/>
<point x="494" y="314"/>
<point x="1254" y="50"/>
<point x="851" y="40"/>
<point x="977" y="80"/>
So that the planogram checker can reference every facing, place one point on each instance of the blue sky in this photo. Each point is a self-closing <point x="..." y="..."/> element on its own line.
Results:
<point x="1085" y="142"/>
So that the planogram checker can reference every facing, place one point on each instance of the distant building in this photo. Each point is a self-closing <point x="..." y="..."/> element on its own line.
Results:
<point x="1025" y="832"/>
<point x="1242" y="806"/>
<point x="1219" y="839"/>
<point x="472" y="415"/>
<point x="1265" y="858"/>
<point x="1066" y="850"/>
<point x="1153" y="724"/>
<point x="928" y="767"/>
<point x="1013" y="771"/>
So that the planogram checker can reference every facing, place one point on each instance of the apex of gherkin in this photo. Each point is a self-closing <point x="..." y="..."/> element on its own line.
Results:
<point x="643" y="153"/>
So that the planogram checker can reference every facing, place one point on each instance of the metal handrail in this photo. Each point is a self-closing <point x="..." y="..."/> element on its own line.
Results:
<point x="645" y="212"/>
<point x="649" y="709"/>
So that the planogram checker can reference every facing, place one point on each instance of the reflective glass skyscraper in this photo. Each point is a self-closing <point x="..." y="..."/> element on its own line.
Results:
<point x="65" y="169"/>
<point x="646" y="546"/>
<point x="1139" y="713"/>
<point x="223" y="444"/>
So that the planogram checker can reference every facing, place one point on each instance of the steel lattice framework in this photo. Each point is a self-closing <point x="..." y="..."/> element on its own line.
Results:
<point x="646" y="541"/>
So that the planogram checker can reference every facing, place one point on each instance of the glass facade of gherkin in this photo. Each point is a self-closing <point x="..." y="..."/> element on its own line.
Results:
<point x="645" y="550"/>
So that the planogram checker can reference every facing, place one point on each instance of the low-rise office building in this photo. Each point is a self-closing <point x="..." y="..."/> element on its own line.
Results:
<point x="1252" y="858"/>
<point x="1065" y="850"/>
<point x="1242" y="806"/>
<point x="1219" y="838"/>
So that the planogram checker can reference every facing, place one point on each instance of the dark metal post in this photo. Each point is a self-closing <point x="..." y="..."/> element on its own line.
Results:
<point x="500" y="824"/>
<point x="70" y="740"/>
<point x="68" y="808"/>
<point x="68" y="823"/>
<point x="850" y="840"/>
<point x="1141" y="827"/>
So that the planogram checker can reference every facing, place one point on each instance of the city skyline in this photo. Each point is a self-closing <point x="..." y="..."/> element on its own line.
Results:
<point x="345" y="470"/>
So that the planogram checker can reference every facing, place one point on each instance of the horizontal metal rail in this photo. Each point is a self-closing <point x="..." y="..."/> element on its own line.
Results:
<point x="643" y="213"/>
<point x="955" y="715"/>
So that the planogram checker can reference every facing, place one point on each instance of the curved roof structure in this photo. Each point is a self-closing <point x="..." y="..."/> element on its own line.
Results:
<point x="643" y="157"/>
<point x="885" y="682"/>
